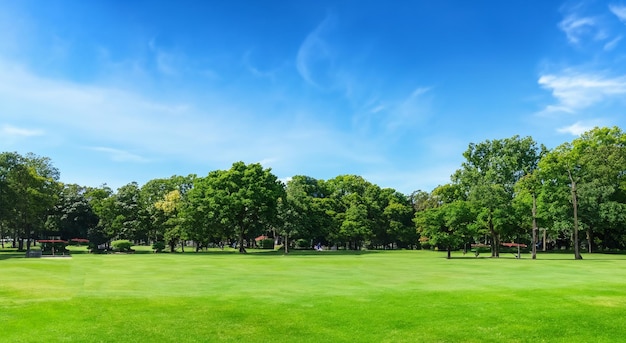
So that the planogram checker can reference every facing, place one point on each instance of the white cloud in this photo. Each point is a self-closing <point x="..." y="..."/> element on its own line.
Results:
<point x="8" y="130"/>
<point x="575" y="91"/>
<point x="167" y="62"/>
<point x="619" y="11"/>
<point x="247" y="63"/>
<point x="209" y="132"/>
<point x="314" y="57"/>
<point x="612" y="44"/>
<point x="576" y="27"/>
<point x="578" y="128"/>
<point x="118" y="155"/>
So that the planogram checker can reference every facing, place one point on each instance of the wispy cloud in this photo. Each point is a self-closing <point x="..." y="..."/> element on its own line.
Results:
<point x="578" y="128"/>
<point x="167" y="62"/>
<point x="619" y="11"/>
<point x="207" y="131"/>
<point x="118" y="155"/>
<point x="575" y="91"/>
<point x="247" y="62"/>
<point x="9" y="130"/>
<point x="575" y="27"/>
<point x="314" y="59"/>
<point x="388" y="118"/>
<point x="582" y="27"/>
<point x="610" y="45"/>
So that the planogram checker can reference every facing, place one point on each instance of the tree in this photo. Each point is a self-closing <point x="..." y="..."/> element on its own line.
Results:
<point x="303" y="211"/>
<point x="488" y="177"/>
<point x="30" y="184"/>
<point x="159" y="222"/>
<point x="99" y="199"/>
<point x="591" y="169"/>
<point x="72" y="216"/>
<point x="353" y="208"/>
<point x="170" y="206"/>
<point x="242" y="201"/>
<point x="398" y="215"/>
<point x="447" y="222"/>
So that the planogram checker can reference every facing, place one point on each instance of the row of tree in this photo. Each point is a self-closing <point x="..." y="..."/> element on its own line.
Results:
<point x="506" y="190"/>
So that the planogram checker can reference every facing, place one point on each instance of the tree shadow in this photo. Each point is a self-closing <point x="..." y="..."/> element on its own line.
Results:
<point x="267" y="253"/>
<point x="8" y="255"/>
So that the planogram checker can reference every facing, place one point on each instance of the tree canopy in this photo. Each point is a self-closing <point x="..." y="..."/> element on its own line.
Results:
<point x="506" y="190"/>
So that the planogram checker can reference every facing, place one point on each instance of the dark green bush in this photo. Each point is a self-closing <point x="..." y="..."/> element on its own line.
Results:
<point x="122" y="245"/>
<point x="267" y="243"/>
<point x="53" y="248"/>
<point x="303" y="243"/>
<point x="158" y="246"/>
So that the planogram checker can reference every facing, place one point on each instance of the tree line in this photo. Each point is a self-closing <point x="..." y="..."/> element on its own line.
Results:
<point x="506" y="190"/>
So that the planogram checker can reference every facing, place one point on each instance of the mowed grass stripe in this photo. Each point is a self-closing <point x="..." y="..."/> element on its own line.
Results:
<point x="381" y="296"/>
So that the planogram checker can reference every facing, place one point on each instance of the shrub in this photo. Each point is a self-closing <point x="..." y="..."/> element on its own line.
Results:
<point x="303" y="243"/>
<point x="122" y="245"/>
<point x="158" y="246"/>
<point x="267" y="243"/>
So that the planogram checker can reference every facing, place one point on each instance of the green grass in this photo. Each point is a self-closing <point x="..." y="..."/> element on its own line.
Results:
<point x="395" y="296"/>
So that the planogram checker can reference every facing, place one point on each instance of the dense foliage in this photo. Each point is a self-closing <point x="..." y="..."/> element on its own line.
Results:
<point x="506" y="190"/>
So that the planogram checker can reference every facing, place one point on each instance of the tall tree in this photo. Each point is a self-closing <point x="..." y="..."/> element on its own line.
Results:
<point x="302" y="211"/>
<point x="488" y="177"/>
<point x="447" y="223"/>
<point x="73" y="216"/>
<point x="591" y="168"/>
<point x="99" y="199"/>
<point x="31" y="185"/>
<point x="243" y="199"/>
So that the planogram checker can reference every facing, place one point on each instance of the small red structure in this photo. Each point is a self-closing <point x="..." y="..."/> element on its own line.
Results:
<point x="51" y="241"/>
<point x="79" y="240"/>
<point x="511" y="245"/>
<point x="260" y="238"/>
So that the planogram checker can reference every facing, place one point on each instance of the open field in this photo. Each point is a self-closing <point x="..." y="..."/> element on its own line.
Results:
<point x="394" y="296"/>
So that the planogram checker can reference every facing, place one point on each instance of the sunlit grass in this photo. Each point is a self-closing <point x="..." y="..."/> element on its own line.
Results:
<point x="395" y="296"/>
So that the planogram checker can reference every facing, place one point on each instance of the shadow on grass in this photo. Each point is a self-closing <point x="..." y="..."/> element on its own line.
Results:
<point x="268" y="252"/>
<point x="5" y="255"/>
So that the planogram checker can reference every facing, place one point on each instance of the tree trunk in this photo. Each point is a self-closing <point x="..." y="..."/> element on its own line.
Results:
<point x="449" y="253"/>
<point x="242" y="249"/>
<point x="534" y="213"/>
<point x="589" y="239"/>
<point x="286" y="244"/>
<point x="577" y="255"/>
<point x="495" y="240"/>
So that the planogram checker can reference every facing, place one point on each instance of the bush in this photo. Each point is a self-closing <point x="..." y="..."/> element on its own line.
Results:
<point x="267" y="243"/>
<point x="158" y="246"/>
<point x="303" y="243"/>
<point x="52" y="248"/>
<point x="122" y="245"/>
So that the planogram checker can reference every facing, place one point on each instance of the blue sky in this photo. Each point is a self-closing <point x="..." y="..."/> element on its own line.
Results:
<point x="121" y="91"/>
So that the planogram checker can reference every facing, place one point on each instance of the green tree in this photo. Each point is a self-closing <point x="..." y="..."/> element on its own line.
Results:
<point x="448" y="222"/>
<point x="398" y="215"/>
<point x="353" y="208"/>
<point x="488" y="177"/>
<point x="590" y="169"/>
<point x="242" y="201"/>
<point x="170" y="206"/>
<point x="99" y="199"/>
<point x="30" y="184"/>
<point x="72" y="216"/>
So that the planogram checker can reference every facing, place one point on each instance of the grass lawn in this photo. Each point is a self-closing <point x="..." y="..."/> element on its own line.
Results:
<point x="393" y="296"/>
